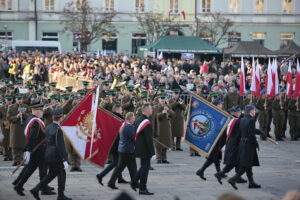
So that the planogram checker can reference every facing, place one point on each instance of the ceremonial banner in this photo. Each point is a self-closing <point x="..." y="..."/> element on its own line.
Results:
<point x="205" y="125"/>
<point x="91" y="130"/>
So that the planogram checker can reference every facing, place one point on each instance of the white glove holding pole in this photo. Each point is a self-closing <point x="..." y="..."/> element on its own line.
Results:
<point x="26" y="157"/>
<point x="66" y="165"/>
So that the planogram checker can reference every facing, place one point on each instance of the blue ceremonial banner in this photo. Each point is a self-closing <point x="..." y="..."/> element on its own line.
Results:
<point x="205" y="124"/>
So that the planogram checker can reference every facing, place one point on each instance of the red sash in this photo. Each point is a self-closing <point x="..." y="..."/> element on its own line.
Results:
<point x="230" y="127"/>
<point x="141" y="127"/>
<point x="28" y="126"/>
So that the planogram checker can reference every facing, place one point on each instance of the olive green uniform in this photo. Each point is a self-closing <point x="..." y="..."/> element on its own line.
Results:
<point x="294" y="117"/>
<point x="264" y="105"/>
<point x="279" y="107"/>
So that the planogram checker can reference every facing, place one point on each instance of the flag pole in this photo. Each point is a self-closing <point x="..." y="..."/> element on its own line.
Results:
<point x="94" y="110"/>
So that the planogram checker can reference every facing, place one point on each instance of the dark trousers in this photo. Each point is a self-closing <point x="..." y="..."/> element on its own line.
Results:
<point x="125" y="160"/>
<point x="208" y="162"/>
<point x="142" y="174"/>
<point x="36" y="161"/>
<point x="56" y="169"/>
<point x="242" y="170"/>
<point x="111" y="166"/>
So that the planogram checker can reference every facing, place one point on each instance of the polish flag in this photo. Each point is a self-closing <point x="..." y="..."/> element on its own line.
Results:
<point x="255" y="81"/>
<point x="289" y="81"/>
<point x="183" y="14"/>
<point x="91" y="130"/>
<point x="242" y="78"/>
<point x="269" y="81"/>
<point x="253" y="85"/>
<point x="297" y="83"/>
<point x="160" y="56"/>
<point x="275" y="89"/>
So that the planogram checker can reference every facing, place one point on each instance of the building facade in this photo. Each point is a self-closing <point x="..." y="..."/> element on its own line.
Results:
<point x="273" y="23"/>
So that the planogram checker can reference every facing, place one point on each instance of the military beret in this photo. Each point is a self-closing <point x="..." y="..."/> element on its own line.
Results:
<point x="9" y="97"/>
<point x="105" y="83"/>
<point x="232" y="84"/>
<point x="130" y="88"/>
<point x="53" y="84"/>
<point x="232" y="109"/>
<point x="111" y="80"/>
<point x="39" y="92"/>
<point x="54" y="96"/>
<point x="118" y="88"/>
<point x="250" y="107"/>
<point x="214" y="95"/>
<point x="36" y="106"/>
<point x="19" y="96"/>
<point x="85" y="83"/>
<point x="19" y="82"/>
<point x="81" y="92"/>
<point x="10" y="86"/>
<point x="30" y="87"/>
<point x="217" y="102"/>
<point x="162" y="96"/>
<point x="176" y="91"/>
<point x="41" y="83"/>
<point x="57" y="112"/>
<point x="110" y="92"/>
<point x="6" y="81"/>
<point x="237" y="109"/>
<point x="69" y="88"/>
<point x="65" y="96"/>
<point x="147" y="98"/>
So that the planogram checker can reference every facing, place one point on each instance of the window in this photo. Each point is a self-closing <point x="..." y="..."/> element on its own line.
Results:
<point x="287" y="6"/>
<point x="6" y="35"/>
<point x="138" y="39"/>
<point x="50" y="36"/>
<point x="174" y="6"/>
<point x="206" y="37"/>
<point x="109" y="42"/>
<point x="49" y="4"/>
<point x="109" y="5"/>
<point x="206" y="5"/>
<point x="259" y="37"/>
<point x="259" y="6"/>
<point x="233" y="38"/>
<point x="286" y="39"/>
<point x="6" y="4"/>
<point x="234" y="6"/>
<point x="140" y="5"/>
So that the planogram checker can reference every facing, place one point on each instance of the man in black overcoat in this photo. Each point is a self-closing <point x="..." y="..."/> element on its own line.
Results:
<point x="247" y="149"/>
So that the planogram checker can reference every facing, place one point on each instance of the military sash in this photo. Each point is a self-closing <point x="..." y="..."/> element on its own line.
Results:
<point x="28" y="126"/>
<point x="141" y="127"/>
<point x="230" y="127"/>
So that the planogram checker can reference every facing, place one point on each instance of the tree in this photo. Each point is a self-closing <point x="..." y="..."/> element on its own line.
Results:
<point x="155" y="25"/>
<point x="213" y="26"/>
<point x="86" y="23"/>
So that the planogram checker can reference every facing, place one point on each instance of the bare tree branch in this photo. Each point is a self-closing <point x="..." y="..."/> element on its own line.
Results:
<point x="89" y="23"/>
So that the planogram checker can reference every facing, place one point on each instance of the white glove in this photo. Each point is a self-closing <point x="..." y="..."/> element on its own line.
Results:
<point x="26" y="157"/>
<point x="66" y="165"/>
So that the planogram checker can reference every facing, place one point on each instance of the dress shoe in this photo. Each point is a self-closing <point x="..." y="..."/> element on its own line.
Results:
<point x="73" y="169"/>
<point x="197" y="154"/>
<point x="15" y="163"/>
<point x="49" y="188"/>
<point x="201" y="174"/>
<point x="15" y="182"/>
<point x="133" y="186"/>
<point x="145" y="192"/>
<point x="219" y="177"/>
<point x="10" y="159"/>
<point x="99" y="178"/>
<point x="122" y="181"/>
<point x="254" y="185"/>
<point x="159" y="161"/>
<point x="151" y="168"/>
<point x="179" y="149"/>
<point x="5" y="159"/>
<point x="35" y="194"/>
<point x="48" y="192"/>
<point x="78" y="169"/>
<point x="112" y="187"/>
<point x="192" y="154"/>
<point x="63" y="198"/>
<point x="279" y="139"/>
<point x="173" y="149"/>
<point x="232" y="183"/>
<point x="165" y="162"/>
<point x="241" y="180"/>
<point x="19" y="190"/>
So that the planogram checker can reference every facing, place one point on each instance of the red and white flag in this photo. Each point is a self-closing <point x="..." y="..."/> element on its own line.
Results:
<point x="91" y="130"/>
<point x="183" y="14"/>
<point x="253" y="85"/>
<point x="257" y="80"/>
<point x="269" y="81"/>
<point x="289" y="81"/>
<point x="242" y="78"/>
<point x="275" y="78"/>
<point x="297" y="82"/>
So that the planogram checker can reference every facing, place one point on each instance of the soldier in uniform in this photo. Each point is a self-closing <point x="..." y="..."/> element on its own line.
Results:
<point x="215" y="156"/>
<point x="54" y="104"/>
<point x="247" y="148"/>
<point x="17" y="114"/>
<point x="177" y="121"/>
<point x="139" y="105"/>
<point x="163" y="115"/>
<point x="4" y="125"/>
<point x="56" y="157"/>
<point x="264" y="104"/>
<point x="85" y="86"/>
<point x="69" y="90"/>
<point x="294" y="117"/>
<point x="279" y="107"/>
<point x="232" y="98"/>
<point x="31" y="95"/>
<point x="35" y="135"/>
<point x="215" y="94"/>
<point x="40" y="97"/>
<point x="129" y="100"/>
<point x="108" y="102"/>
<point x="105" y="89"/>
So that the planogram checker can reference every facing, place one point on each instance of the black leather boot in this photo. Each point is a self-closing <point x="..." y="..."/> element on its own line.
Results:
<point x="252" y="184"/>
<point x="233" y="180"/>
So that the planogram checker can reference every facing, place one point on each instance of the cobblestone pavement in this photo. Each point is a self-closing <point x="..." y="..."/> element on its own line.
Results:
<point x="278" y="173"/>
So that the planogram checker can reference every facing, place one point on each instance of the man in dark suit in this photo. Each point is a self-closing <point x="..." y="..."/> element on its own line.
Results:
<point x="247" y="149"/>
<point x="126" y="150"/>
<point x="144" y="149"/>
<point x="233" y="138"/>
<point x="56" y="157"/>
<point x="35" y="135"/>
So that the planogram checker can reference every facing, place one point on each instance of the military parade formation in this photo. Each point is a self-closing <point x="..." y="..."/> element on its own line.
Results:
<point x="146" y="93"/>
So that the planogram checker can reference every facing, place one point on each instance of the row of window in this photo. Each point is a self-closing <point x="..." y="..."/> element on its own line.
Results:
<point x="109" y="5"/>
